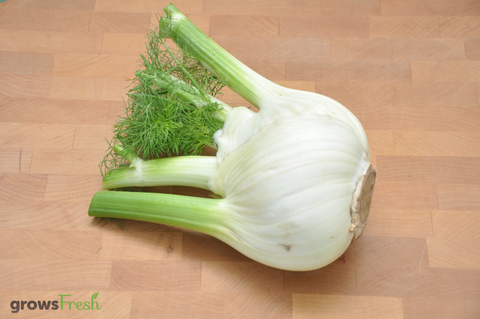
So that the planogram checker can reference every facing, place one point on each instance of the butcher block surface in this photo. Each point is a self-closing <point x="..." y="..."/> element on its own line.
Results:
<point x="408" y="69"/>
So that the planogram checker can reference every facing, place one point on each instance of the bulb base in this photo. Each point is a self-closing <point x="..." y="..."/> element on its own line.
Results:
<point x="362" y="200"/>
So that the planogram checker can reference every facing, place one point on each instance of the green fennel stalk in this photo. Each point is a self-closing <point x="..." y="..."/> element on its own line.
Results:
<point x="226" y="67"/>
<point x="192" y="171"/>
<point x="195" y="213"/>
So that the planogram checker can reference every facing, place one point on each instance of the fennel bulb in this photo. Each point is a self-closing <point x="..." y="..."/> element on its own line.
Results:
<point x="294" y="180"/>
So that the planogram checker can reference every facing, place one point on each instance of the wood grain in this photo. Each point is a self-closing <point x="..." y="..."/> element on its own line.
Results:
<point x="18" y="274"/>
<point x="50" y="41"/>
<point x="472" y="49"/>
<point x="336" y="278"/>
<point x="92" y="136"/>
<point x="351" y="7"/>
<point x="455" y="224"/>
<point x="94" y="65"/>
<point x="448" y="253"/>
<point x="437" y="143"/>
<point x="445" y="71"/>
<point x="65" y="162"/>
<point x="428" y="49"/>
<point x="55" y="111"/>
<point x="400" y="223"/>
<point x="459" y="27"/>
<point x="419" y="282"/>
<point x="332" y="307"/>
<point x="405" y="195"/>
<point x="131" y="275"/>
<point x="459" y="95"/>
<point x="177" y="304"/>
<point x="247" y="305"/>
<point x="430" y="308"/>
<point x="408" y="69"/>
<point x="43" y="215"/>
<point x="156" y="246"/>
<point x="15" y="160"/>
<point x="51" y="4"/>
<point x="49" y="245"/>
<point x="245" y="277"/>
<point x="434" y="118"/>
<point x="26" y="63"/>
<point x="430" y="7"/>
<point x="28" y="18"/>
<point x="323" y="26"/>
<point x="348" y="70"/>
<point x="16" y="187"/>
<point x="24" y="85"/>
<point x="280" y="7"/>
<point x="458" y="196"/>
<point x="129" y="44"/>
<point x="404" y="27"/>
<point x="246" y="25"/>
<point x="442" y="169"/>
<point x="362" y="48"/>
<point x="72" y="87"/>
<point x="36" y="135"/>
<point x="119" y="22"/>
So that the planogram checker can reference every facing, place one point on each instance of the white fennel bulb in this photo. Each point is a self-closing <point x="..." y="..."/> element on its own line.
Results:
<point x="288" y="191"/>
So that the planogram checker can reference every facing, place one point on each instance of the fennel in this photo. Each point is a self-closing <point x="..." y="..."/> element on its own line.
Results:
<point x="293" y="182"/>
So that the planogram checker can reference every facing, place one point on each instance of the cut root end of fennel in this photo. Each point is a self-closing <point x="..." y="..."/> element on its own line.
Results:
<point x="362" y="200"/>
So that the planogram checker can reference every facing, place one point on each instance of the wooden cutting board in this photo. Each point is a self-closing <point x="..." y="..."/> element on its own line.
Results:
<point x="409" y="70"/>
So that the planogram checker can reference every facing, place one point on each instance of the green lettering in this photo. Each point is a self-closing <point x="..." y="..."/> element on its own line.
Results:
<point x="97" y="305"/>
<point x="70" y="305"/>
<point x="78" y="305"/>
<point x="62" y="302"/>
<point x="86" y="305"/>
<point x="94" y="296"/>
